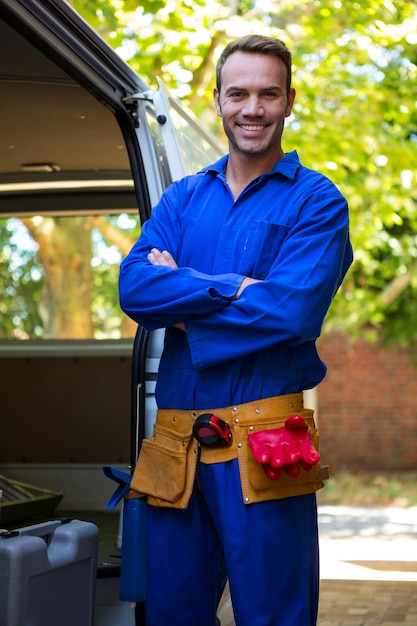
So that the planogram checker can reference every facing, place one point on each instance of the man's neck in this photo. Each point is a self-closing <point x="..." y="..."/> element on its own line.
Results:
<point x="240" y="171"/>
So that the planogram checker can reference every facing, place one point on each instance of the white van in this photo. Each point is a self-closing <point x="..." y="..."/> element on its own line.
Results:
<point x="86" y="149"/>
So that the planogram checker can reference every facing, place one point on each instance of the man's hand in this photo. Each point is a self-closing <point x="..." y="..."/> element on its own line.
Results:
<point x="285" y="448"/>
<point x="245" y="283"/>
<point x="163" y="258"/>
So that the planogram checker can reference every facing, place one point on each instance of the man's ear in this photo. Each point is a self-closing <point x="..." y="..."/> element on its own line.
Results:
<point x="216" y="97"/>
<point x="290" y="102"/>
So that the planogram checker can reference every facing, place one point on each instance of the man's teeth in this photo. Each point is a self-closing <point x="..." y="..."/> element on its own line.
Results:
<point x="250" y="127"/>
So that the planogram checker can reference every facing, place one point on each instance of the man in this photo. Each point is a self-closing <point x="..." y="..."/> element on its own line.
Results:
<point x="240" y="263"/>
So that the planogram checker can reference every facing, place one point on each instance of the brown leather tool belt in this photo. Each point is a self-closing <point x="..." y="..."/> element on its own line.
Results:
<point x="167" y="463"/>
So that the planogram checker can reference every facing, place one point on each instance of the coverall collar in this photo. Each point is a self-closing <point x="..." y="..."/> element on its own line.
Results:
<point x="287" y="166"/>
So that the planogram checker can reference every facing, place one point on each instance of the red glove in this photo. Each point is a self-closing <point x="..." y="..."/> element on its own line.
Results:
<point x="284" y="448"/>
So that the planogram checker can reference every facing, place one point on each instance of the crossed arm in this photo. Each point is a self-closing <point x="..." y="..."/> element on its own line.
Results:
<point x="165" y="259"/>
<point x="223" y="320"/>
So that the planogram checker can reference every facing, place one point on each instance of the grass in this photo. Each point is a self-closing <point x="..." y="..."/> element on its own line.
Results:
<point x="371" y="489"/>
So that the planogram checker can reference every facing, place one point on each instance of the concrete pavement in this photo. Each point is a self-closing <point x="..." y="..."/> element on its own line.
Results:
<point x="368" y="571"/>
<point x="368" y="567"/>
<point x="360" y="543"/>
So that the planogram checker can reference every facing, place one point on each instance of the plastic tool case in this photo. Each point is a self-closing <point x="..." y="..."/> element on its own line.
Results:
<point x="48" y="574"/>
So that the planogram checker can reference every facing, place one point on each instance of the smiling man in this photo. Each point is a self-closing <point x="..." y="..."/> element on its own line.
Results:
<point x="239" y="263"/>
<point x="253" y="98"/>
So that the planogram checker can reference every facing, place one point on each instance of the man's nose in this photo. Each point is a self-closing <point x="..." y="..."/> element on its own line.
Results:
<point x="253" y="107"/>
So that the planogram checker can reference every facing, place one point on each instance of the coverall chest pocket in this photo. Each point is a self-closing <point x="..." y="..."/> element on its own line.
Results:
<point x="261" y="248"/>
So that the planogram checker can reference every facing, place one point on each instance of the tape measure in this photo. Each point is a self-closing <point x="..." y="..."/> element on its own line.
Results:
<point x="210" y="430"/>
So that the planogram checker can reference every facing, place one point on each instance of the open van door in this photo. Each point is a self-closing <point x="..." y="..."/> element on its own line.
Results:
<point x="187" y="141"/>
<point x="178" y="144"/>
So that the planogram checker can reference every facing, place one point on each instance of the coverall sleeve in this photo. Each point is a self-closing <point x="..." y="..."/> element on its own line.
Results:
<point x="158" y="297"/>
<point x="290" y="304"/>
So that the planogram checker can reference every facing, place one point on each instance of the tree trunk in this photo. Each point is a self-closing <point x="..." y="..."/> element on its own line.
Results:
<point x="65" y="254"/>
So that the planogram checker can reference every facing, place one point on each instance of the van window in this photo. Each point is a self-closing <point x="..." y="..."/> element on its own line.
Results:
<point x="196" y="151"/>
<point x="59" y="275"/>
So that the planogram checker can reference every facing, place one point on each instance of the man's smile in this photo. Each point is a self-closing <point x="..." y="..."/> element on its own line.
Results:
<point x="252" y="126"/>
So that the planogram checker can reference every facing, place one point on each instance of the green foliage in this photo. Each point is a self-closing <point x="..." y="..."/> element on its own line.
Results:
<point x="21" y="284"/>
<point x="25" y="284"/>
<point x="354" y="119"/>
<point x="370" y="489"/>
<point x="355" y="116"/>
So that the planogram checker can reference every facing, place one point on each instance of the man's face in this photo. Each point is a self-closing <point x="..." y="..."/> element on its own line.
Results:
<point x="253" y="103"/>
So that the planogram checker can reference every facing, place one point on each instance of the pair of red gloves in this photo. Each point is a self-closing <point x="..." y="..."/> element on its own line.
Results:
<point x="285" y="448"/>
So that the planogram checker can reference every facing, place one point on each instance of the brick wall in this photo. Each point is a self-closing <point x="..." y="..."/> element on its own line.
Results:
<point x="367" y="406"/>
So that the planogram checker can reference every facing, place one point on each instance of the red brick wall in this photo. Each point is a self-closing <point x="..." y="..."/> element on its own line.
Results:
<point x="367" y="406"/>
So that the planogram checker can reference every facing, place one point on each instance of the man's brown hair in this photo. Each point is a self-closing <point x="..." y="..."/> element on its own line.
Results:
<point x="255" y="44"/>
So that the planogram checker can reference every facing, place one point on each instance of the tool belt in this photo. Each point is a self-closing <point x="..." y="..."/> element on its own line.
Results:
<point x="167" y="463"/>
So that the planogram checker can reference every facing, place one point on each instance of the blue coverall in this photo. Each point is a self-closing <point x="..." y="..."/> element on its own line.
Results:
<point x="289" y="228"/>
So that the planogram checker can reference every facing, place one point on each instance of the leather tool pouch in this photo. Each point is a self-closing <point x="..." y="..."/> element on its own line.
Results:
<point x="256" y="486"/>
<point x="167" y="462"/>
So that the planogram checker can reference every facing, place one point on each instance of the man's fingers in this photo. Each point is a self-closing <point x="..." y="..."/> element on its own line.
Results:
<point x="169" y="259"/>
<point x="163" y="258"/>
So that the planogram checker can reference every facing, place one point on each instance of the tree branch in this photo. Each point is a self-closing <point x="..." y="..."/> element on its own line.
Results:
<point x="395" y="288"/>
<point x="112" y="235"/>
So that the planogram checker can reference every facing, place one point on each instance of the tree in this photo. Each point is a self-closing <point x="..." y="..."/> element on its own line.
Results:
<point x="58" y="281"/>
<point x="355" y="117"/>
<point x="21" y="283"/>
<point x="67" y="293"/>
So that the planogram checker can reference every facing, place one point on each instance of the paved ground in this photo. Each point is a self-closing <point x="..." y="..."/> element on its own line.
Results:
<point x="368" y="544"/>
<point x="368" y="568"/>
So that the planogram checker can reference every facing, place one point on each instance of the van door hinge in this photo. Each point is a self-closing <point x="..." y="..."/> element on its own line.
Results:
<point x="131" y="102"/>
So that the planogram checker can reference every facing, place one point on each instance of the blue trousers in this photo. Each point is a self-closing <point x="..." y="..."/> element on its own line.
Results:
<point x="270" y="550"/>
